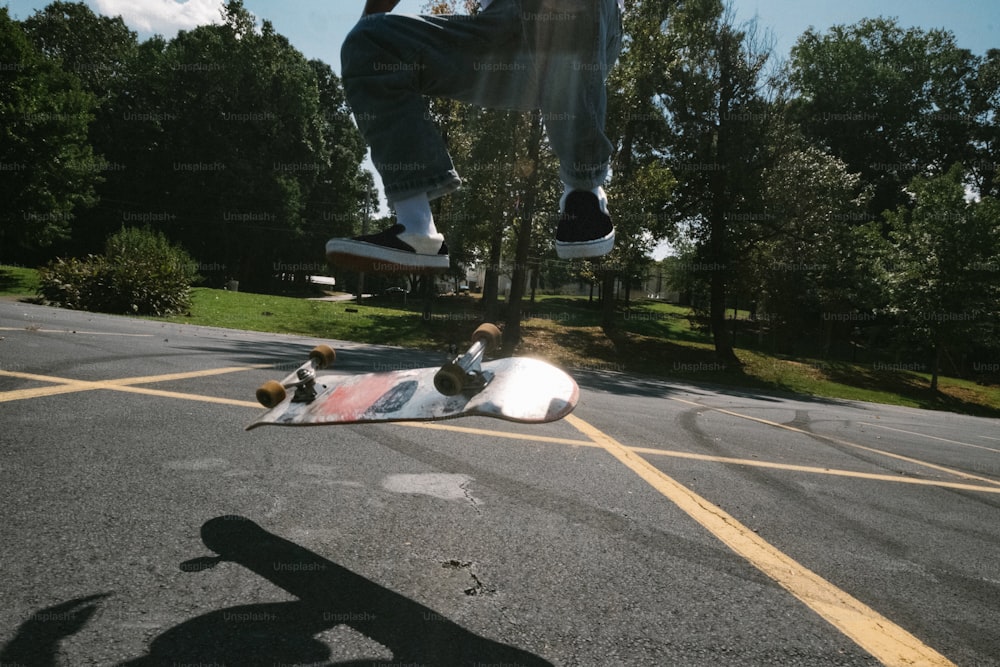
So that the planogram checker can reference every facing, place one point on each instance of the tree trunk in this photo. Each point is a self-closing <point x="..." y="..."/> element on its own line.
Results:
<point x="535" y="270"/>
<point x="720" y="269"/>
<point x="721" y="205"/>
<point x="491" y="281"/>
<point x="608" y="300"/>
<point x="936" y="365"/>
<point x="717" y="317"/>
<point x="512" y="332"/>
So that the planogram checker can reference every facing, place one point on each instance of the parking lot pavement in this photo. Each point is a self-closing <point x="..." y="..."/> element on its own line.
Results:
<point x="659" y="524"/>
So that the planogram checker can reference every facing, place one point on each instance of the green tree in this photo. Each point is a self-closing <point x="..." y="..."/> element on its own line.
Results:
<point x="102" y="52"/>
<point x="985" y="166"/>
<point x="334" y="195"/>
<point x="98" y="49"/>
<point x="945" y="275"/>
<point x="714" y="93"/>
<point x="815" y="257"/>
<point x="530" y="194"/>
<point x="47" y="161"/>
<point x="497" y="219"/>
<point x="256" y="151"/>
<point x="892" y="103"/>
<point x="642" y="182"/>
<point x="225" y="138"/>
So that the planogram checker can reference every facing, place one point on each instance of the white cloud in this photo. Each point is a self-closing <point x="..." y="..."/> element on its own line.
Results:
<point x="162" y="16"/>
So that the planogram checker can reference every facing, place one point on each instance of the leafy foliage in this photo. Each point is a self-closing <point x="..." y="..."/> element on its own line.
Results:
<point x="225" y="138"/>
<point x="140" y="273"/>
<point x="945" y="274"/>
<point x="814" y="259"/>
<point x="47" y="166"/>
<point x="892" y="103"/>
<point x="715" y="94"/>
<point x="103" y="55"/>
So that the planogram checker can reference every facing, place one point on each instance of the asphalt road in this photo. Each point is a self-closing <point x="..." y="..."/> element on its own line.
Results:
<point x="657" y="525"/>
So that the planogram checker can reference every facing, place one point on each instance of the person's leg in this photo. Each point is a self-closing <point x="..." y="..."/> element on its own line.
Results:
<point x="517" y="54"/>
<point x="390" y="63"/>
<point x="575" y="45"/>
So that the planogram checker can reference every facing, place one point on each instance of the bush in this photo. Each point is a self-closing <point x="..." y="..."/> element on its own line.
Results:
<point x="140" y="273"/>
<point x="72" y="283"/>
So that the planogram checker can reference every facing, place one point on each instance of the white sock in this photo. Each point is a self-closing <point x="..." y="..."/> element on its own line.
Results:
<point x="414" y="213"/>
<point x="599" y="191"/>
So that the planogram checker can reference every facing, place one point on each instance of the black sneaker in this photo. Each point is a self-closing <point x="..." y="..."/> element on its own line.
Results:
<point x="389" y="251"/>
<point x="585" y="228"/>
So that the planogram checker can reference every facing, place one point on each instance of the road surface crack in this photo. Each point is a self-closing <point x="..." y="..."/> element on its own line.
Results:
<point x="468" y="496"/>
<point x="478" y="587"/>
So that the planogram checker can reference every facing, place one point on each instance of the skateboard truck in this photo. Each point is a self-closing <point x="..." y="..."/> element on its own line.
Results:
<point x="465" y="373"/>
<point x="305" y="388"/>
<point x="272" y="393"/>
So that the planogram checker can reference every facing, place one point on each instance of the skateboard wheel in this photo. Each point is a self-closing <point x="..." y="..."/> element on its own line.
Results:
<point x="489" y="334"/>
<point x="322" y="356"/>
<point x="270" y="394"/>
<point x="450" y="380"/>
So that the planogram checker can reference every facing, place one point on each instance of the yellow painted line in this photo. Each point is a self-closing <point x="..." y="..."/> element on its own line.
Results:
<point x="66" y="385"/>
<point x="497" y="434"/>
<point x="755" y="463"/>
<point x="38" y="378"/>
<point x="137" y="380"/>
<point x="187" y="375"/>
<point x="176" y="394"/>
<point x="873" y="632"/>
<point x="931" y="437"/>
<point x="846" y="443"/>
<point x="40" y="392"/>
<point x="835" y="472"/>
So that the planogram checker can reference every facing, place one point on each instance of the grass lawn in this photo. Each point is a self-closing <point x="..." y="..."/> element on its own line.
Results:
<point x="18" y="281"/>
<point x="383" y="321"/>
<point x="653" y="339"/>
<point x="692" y="361"/>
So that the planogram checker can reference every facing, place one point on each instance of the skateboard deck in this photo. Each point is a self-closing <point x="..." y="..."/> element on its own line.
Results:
<point x="518" y="389"/>
<point x="522" y="390"/>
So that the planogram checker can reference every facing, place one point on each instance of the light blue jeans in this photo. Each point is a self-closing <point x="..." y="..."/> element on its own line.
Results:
<point x="552" y="55"/>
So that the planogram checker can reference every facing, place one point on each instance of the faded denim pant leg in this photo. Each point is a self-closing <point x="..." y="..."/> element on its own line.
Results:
<point x="552" y="55"/>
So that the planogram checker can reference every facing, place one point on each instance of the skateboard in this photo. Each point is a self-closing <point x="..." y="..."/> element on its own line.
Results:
<point x="518" y="389"/>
